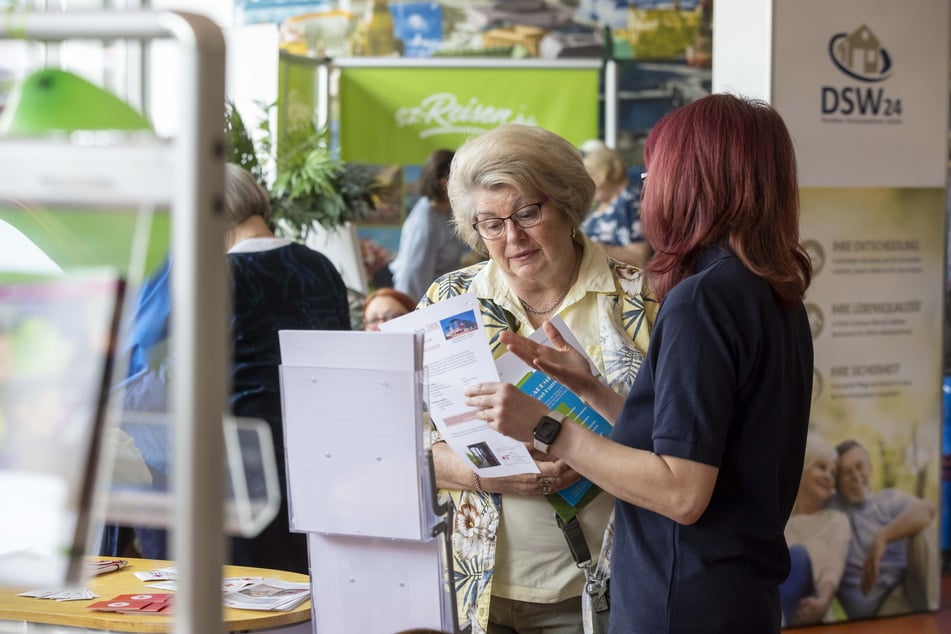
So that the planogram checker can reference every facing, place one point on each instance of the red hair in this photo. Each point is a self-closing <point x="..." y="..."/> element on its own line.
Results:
<point x="405" y="300"/>
<point x="723" y="168"/>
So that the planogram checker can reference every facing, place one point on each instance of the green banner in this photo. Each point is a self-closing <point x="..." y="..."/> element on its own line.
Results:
<point x="400" y="115"/>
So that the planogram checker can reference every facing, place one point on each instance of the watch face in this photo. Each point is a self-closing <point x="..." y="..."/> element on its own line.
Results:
<point x="547" y="429"/>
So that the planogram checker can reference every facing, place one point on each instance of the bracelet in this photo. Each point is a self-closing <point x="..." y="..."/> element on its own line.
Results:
<point x="478" y="482"/>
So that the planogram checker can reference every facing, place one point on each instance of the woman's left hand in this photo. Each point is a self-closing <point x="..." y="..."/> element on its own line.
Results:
<point x="506" y="409"/>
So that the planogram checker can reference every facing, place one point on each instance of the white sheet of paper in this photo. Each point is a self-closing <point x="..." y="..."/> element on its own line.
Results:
<point x="456" y="355"/>
<point x="511" y="369"/>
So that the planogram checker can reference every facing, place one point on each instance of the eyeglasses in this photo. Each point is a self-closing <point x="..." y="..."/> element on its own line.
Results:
<point x="524" y="218"/>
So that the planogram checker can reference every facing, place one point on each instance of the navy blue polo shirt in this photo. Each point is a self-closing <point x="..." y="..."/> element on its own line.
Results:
<point x="727" y="382"/>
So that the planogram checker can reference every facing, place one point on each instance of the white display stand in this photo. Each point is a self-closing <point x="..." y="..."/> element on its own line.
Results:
<point x="186" y="175"/>
<point x="360" y="482"/>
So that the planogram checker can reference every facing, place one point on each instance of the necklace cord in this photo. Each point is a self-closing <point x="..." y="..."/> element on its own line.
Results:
<point x="544" y="311"/>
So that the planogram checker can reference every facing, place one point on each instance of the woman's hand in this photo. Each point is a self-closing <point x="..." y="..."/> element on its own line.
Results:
<point x="567" y="366"/>
<point x="810" y="610"/>
<point x="506" y="409"/>
<point x="514" y="413"/>
<point x="554" y="475"/>
<point x="559" y="361"/>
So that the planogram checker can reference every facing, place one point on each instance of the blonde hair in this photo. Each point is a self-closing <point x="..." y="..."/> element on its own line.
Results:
<point x="533" y="161"/>
<point x="605" y="165"/>
<point x="817" y="448"/>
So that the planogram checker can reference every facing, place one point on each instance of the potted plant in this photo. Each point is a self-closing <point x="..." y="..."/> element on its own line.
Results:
<point x="310" y="185"/>
<point x="315" y="197"/>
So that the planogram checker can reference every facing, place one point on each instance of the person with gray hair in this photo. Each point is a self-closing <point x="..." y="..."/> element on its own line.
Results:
<point x="818" y="539"/>
<point x="428" y="246"/>
<point x="519" y="194"/>
<point x="892" y="565"/>
<point x="275" y="285"/>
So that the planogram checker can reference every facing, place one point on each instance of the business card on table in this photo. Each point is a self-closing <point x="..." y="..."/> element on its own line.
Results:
<point x="135" y="604"/>
<point x="75" y="594"/>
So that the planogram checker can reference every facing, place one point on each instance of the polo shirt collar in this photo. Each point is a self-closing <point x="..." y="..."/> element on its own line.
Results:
<point x="712" y="254"/>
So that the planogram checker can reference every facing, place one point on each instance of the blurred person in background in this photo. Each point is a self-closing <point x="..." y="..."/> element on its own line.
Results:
<point x="276" y="284"/>
<point x="385" y="304"/>
<point x="818" y="540"/>
<point x="892" y="565"/>
<point x="429" y="246"/>
<point x="615" y="219"/>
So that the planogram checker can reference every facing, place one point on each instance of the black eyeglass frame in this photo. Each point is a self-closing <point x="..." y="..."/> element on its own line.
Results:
<point x="540" y="204"/>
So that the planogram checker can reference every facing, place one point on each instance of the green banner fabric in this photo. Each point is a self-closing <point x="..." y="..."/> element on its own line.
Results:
<point x="400" y="115"/>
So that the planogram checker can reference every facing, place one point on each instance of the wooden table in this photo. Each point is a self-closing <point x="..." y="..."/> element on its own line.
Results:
<point x="110" y="584"/>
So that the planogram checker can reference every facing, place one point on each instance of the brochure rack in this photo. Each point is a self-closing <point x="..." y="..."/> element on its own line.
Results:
<point x="184" y="174"/>
<point x="361" y="483"/>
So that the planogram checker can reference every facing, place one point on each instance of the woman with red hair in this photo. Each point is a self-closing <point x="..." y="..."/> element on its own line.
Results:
<point x="707" y="449"/>
<point x="385" y="304"/>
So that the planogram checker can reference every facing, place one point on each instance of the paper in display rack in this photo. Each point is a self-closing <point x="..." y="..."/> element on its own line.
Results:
<point x="456" y="355"/>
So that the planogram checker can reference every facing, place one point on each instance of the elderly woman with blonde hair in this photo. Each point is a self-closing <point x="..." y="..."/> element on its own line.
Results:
<point x="818" y="539"/>
<point x="519" y="194"/>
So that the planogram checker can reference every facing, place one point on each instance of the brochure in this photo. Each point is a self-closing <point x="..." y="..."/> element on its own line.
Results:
<point x="456" y="355"/>
<point x="135" y="604"/>
<point x="555" y="395"/>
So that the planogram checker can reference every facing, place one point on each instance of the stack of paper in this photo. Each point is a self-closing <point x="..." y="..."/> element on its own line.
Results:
<point x="101" y="566"/>
<point x="269" y="594"/>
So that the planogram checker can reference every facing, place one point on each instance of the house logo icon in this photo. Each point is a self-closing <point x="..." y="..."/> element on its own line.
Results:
<point x="860" y="55"/>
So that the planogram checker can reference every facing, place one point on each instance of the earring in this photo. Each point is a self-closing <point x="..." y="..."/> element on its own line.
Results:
<point x="573" y="232"/>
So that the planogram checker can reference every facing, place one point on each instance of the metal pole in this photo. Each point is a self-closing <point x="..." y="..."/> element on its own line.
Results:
<point x="199" y="285"/>
<point x="610" y="103"/>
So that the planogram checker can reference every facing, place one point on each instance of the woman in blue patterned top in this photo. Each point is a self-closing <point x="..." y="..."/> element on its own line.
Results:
<point x="615" y="219"/>
<point x="518" y="196"/>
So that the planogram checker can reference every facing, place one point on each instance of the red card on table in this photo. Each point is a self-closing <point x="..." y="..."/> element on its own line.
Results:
<point x="135" y="604"/>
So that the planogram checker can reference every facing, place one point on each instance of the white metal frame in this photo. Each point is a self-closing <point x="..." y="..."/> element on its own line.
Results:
<point x="185" y="173"/>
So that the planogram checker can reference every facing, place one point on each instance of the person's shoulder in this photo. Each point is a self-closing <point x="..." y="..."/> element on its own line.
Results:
<point x="893" y="497"/>
<point x="419" y="222"/>
<point x="303" y="257"/>
<point x="304" y="252"/>
<point x="629" y="199"/>
<point x="721" y="279"/>
<point x="453" y="283"/>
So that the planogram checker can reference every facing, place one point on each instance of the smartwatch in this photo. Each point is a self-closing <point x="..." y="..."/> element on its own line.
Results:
<point x="547" y="429"/>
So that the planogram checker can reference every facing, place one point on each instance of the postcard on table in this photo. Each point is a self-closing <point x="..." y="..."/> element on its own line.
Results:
<point x="456" y="355"/>
<point x="135" y="604"/>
